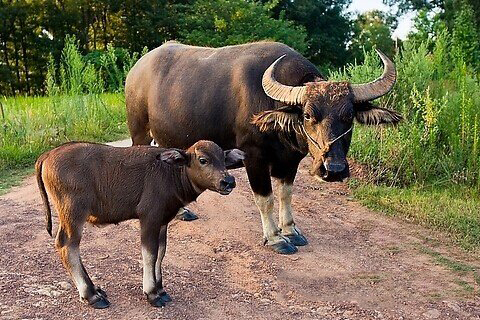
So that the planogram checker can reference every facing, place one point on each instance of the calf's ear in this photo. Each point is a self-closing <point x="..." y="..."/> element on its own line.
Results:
<point x="233" y="157"/>
<point x="367" y="113"/>
<point x="286" y="118"/>
<point x="174" y="157"/>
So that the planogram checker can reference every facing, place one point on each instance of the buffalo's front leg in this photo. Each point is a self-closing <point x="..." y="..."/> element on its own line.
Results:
<point x="149" y="239"/>
<point x="285" y="217"/>
<point x="162" y="246"/>
<point x="259" y="177"/>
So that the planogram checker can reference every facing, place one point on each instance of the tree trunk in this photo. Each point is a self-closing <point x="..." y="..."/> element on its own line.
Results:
<point x="17" y="58"/>
<point x="104" y="25"/>
<point x="5" y="54"/>
<point x="25" y="57"/>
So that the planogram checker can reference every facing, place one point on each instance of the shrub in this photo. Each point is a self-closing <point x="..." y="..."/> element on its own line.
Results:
<point x="440" y="99"/>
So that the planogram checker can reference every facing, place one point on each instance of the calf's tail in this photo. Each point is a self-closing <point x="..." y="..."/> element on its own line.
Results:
<point x="43" y="192"/>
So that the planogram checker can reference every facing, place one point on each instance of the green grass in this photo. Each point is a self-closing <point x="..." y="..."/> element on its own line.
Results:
<point x="31" y="125"/>
<point x="453" y="208"/>
<point x="447" y="262"/>
<point x="426" y="169"/>
<point x="13" y="177"/>
<point x="463" y="271"/>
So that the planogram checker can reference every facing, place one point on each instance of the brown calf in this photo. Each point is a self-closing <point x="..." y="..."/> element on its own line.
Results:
<point x="102" y="185"/>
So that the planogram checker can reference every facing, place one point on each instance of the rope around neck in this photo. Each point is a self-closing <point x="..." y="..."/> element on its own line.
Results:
<point x="325" y="149"/>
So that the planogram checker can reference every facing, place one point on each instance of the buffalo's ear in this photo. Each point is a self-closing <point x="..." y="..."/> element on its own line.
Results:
<point x="174" y="157"/>
<point x="367" y="113"/>
<point x="286" y="118"/>
<point x="234" y="157"/>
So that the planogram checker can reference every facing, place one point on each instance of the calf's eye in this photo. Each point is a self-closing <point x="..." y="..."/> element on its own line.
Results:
<point x="203" y="161"/>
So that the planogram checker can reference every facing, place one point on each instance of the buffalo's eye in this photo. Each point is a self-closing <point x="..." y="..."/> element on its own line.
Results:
<point x="307" y="116"/>
<point x="203" y="161"/>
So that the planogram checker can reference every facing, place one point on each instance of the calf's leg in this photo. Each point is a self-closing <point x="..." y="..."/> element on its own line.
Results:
<point x="68" y="246"/>
<point x="162" y="246"/>
<point x="149" y="238"/>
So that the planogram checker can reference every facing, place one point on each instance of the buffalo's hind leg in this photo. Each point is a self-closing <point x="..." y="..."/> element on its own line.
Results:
<point x="68" y="246"/>
<point x="138" y="125"/>
<point x="258" y="172"/>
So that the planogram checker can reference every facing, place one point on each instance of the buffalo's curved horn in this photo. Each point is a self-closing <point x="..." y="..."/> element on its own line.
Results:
<point x="379" y="87"/>
<point x="280" y="92"/>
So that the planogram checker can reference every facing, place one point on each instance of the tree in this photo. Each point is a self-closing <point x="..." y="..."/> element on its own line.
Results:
<point x="329" y="28"/>
<point x="466" y="36"/>
<point x="459" y="18"/>
<point x="447" y="8"/>
<point x="225" y="22"/>
<point x="373" y="29"/>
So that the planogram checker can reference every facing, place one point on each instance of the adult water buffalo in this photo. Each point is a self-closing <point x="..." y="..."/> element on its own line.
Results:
<point x="264" y="98"/>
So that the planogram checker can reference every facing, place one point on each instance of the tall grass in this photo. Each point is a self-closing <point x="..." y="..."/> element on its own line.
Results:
<point x="75" y="109"/>
<point x="427" y="169"/>
<point x="32" y="125"/>
<point x="95" y="72"/>
<point x="438" y="143"/>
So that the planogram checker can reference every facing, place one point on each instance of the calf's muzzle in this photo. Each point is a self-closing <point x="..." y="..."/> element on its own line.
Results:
<point x="227" y="184"/>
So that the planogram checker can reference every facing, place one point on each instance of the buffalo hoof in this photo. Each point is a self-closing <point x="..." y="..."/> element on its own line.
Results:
<point x="297" y="240"/>
<point x="155" y="300"/>
<point x="283" y="248"/>
<point x="165" y="297"/>
<point x="99" y="302"/>
<point x="187" y="215"/>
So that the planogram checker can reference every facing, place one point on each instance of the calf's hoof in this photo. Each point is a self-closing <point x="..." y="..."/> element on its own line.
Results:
<point x="155" y="300"/>
<point x="99" y="301"/>
<point x="165" y="297"/>
<point x="297" y="239"/>
<point x="187" y="215"/>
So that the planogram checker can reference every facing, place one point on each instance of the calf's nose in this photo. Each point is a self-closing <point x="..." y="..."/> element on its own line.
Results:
<point x="228" y="182"/>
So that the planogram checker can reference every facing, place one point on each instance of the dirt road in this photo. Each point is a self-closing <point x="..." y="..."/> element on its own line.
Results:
<point x="358" y="265"/>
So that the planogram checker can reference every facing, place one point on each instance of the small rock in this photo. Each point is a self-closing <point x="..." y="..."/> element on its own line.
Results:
<point x="348" y="313"/>
<point x="64" y="285"/>
<point x="432" y="314"/>
<point x="28" y="289"/>
<point x="49" y="292"/>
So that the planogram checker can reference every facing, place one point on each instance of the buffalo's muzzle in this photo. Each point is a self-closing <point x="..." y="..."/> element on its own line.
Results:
<point x="227" y="184"/>
<point x="331" y="171"/>
<point x="335" y="170"/>
<point x="334" y="167"/>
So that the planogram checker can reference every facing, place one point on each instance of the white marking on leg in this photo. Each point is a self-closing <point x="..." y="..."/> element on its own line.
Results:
<point x="149" y="260"/>
<point x="77" y="271"/>
<point x="270" y="230"/>
<point x="285" y="217"/>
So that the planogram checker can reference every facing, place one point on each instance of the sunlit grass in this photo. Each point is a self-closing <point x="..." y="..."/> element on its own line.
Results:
<point x="32" y="125"/>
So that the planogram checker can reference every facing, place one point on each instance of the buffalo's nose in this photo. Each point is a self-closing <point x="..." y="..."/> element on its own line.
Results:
<point x="228" y="182"/>
<point x="334" y="166"/>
